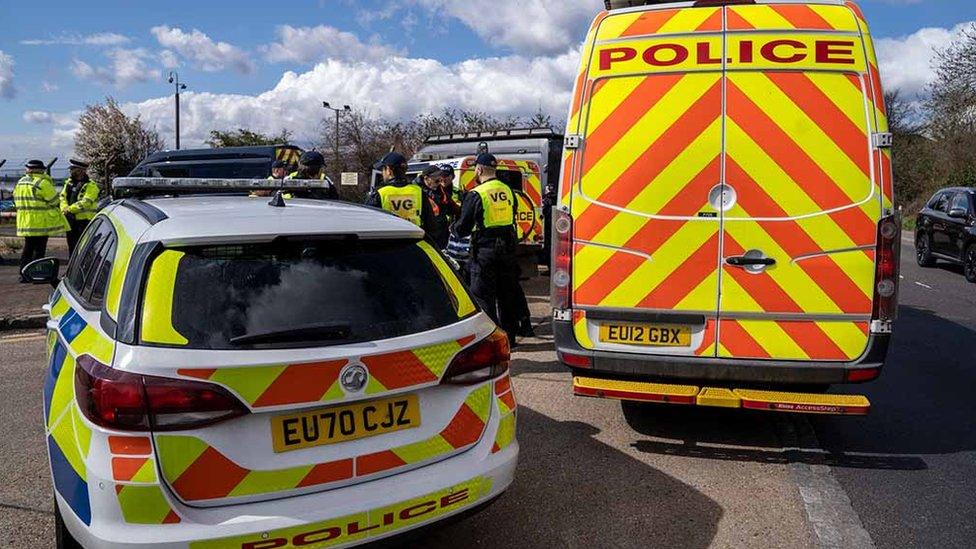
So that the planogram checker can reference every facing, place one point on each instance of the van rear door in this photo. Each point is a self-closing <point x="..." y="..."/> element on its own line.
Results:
<point x="800" y="224"/>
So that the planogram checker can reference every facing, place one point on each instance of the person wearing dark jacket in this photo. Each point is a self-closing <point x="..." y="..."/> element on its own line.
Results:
<point x="445" y="209"/>
<point x="399" y="196"/>
<point x="488" y="216"/>
<point x="311" y="165"/>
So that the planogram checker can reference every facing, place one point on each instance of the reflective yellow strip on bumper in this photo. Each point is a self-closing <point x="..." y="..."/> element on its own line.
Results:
<point x="635" y="390"/>
<point x="718" y="397"/>
<point x="804" y="402"/>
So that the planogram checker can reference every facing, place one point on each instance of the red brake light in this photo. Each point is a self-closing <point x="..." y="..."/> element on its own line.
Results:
<point x="484" y="360"/>
<point x="136" y="402"/>
<point x="886" y="271"/>
<point x="862" y="374"/>
<point x="575" y="361"/>
<point x="562" y="261"/>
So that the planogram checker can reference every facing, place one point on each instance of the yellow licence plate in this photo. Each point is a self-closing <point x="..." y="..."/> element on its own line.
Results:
<point x="342" y="423"/>
<point x="655" y="335"/>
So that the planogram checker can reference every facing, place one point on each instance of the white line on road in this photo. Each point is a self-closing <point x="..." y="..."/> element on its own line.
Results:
<point x="926" y="286"/>
<point x="828" y="507"/>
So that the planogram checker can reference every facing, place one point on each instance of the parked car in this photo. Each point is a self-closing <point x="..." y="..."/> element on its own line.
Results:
<point x="946" y="230"/>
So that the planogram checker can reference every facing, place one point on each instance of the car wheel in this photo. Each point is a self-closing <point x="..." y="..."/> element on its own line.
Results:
<point x="62" y="537"/>
<point x="970" y="266"/>
<point x="923" y="251"/>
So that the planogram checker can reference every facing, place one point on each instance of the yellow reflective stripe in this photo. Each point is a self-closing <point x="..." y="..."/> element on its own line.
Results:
<point x="64" y="436"/>
<point x="480" y="402"/>
<point x="773" y="339"/>
<point x="262" y="482"/>
<point x="64" y="393"/>
<point x="143" y="504"/>
<point x="157" y="309"/>
<point x="581" y="333"/>
<point x="177" y="453"/>
<point x="123" y="252"/>
<point x="464" y="304"/>
<point x="437" y="357"/>
<point x="249" y="383"/>
<point x="506" y="431"/>
<point x="840" y="17"/>
<point x="424" y="449"/>
<point x="92" y="342"/>
<point x="146" y="473"/>
<point x="762" y="17"/>
<point x="847" y="336"/>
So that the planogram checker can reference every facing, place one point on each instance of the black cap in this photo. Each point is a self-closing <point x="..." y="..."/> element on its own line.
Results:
<point x="447" y="170"/>
<point x="312" y="158"/>
<point x="391" y="159"/>
<point x="431" y="171"/>
<point x="73" y="163"/>
<point x="35" y="165"/>
<point x="278" y="164"/>
<point x="487" y="159"/>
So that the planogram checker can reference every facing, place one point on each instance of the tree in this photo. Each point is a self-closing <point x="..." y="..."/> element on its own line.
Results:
<point x="112" y="142"/>
<point x="244" y="137"/>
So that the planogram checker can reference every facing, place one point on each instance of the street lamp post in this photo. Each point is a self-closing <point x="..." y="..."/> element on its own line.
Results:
<point x="337" y="111"/>
<point x="174" y="79"/>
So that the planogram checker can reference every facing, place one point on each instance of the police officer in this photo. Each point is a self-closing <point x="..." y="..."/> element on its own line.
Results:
<point x="488" y="215"/>
<point x="311" y="165"/>
<point x="399" y="196"/>
<point x="437" y="184"/>
<point x="38" y="212"/>
<point x="279" y="170"/>
<point x="79" y="201"/>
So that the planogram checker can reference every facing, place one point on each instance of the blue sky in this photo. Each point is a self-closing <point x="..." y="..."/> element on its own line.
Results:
<point x="268" y="65"/>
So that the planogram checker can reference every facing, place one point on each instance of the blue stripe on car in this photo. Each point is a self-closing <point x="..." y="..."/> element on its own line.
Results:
<point x="57" y="362"/>
<point x="72" y="487"/>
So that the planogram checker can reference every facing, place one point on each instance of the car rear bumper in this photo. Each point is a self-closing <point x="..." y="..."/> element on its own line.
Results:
<point x="694" y="368"/>
<point x="371" y="511"/>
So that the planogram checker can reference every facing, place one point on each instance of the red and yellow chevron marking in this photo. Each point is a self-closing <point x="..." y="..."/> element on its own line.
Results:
<point x="792" y="340"/>
<point x="653" y="148"/>
<point x="134" y="469"/>
<point x="145" y="505"/>
<point x="505" y="399"/>
<point x="791" y="17"/>
<point x="279" y="385"/>
<point x="666" y="21"/>
<point x="197" y="472"/>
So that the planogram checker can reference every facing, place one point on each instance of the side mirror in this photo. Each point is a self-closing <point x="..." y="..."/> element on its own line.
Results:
<point x="958" y="213"/>
<point x="43" y="271"/>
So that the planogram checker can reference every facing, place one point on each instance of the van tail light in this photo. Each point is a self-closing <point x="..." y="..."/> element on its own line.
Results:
<point x="484" y="360"/>
<point x="888" y="254"/>
<point x="562" y="259"/>
<point x="134" y="402"/>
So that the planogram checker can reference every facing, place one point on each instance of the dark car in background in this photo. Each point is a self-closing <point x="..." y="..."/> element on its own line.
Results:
<point x="225" y="163"/>
<point x="946" y="230"/>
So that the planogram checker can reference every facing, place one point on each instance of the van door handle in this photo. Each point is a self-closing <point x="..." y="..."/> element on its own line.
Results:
<point x="745" y="261"/>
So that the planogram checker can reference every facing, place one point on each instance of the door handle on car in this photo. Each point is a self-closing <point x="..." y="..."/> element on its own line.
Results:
<point x="745" y="261"/>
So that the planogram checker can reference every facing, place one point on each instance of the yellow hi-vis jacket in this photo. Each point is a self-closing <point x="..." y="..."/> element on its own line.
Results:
<point x="406" y="201"/>
<point x="38" y="207"/>
<point x="86" y="201"/>
<point x="497" y="203"/>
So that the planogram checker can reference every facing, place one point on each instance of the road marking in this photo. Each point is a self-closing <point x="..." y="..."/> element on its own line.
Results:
<point x="926" y="286"/>
<point x="22" y="337"/>
<point x="828" y="507"/>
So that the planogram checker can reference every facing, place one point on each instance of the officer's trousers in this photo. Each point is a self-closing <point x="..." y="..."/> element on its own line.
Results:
<point x="34" y="248"/>
<point x="494" y="282"/>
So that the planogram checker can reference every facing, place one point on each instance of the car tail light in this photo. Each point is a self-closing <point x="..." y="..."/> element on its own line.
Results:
<point x="886" y="270"/>
<point x="861" y="375"/>
<point x="484" y="360"/>
<point x="562" y="259"/>
<point x="575" y="361"/>
<point x="136" y="402"/>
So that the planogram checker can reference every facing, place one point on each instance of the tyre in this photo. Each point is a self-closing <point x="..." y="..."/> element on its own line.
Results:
<point x="923" y="251"/>
<point x="62" y="537"/>
<point x="969" y="265"/>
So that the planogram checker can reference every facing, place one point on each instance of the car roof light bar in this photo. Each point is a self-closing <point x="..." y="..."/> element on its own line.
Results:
<point x="142" y="186"/>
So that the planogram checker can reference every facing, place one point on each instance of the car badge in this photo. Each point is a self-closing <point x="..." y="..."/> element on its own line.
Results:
<point x="353" y="378"/>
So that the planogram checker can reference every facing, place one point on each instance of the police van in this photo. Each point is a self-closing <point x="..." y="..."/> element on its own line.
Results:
<point x="725" y="233"/>
<point x="227" y="371"/>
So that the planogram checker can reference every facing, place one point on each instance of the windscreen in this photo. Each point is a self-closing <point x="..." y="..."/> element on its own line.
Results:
<point x="303" y="294"/>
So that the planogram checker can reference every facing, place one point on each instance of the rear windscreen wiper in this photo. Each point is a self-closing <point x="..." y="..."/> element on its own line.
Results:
<point x="312" y="332"/>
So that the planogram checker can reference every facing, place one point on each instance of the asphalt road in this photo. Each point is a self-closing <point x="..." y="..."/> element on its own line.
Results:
<point x="594" y="473"/>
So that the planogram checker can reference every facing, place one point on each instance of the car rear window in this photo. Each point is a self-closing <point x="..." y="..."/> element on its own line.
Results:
<point x="291" y="294"/>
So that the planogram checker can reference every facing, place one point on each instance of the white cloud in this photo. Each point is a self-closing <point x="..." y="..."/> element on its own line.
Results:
<point x="389" y="89"/>
<point x="202" y="51"/>
<point x="49" y="87"/>
<point x="169" y="59"/>
<point x="97" y="39"/>
<point x="906" y="62"/>
<point x="7" y="89"/>
<point x="528" y="26"/>
<point x="48" y="117"/>
<point x="313" y="44"/>
<point x="126" y="67"/>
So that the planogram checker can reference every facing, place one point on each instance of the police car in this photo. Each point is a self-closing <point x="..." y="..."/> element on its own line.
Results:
<point x="227" y="371"/>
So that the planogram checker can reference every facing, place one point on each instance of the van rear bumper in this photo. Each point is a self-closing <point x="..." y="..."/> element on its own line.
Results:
<point x="693" y="368"/>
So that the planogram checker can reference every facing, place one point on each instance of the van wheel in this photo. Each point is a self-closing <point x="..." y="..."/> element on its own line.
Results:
<point x="62" y="537"/>
<point x="970" y="266"/>
<point x="923" y="251"/>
